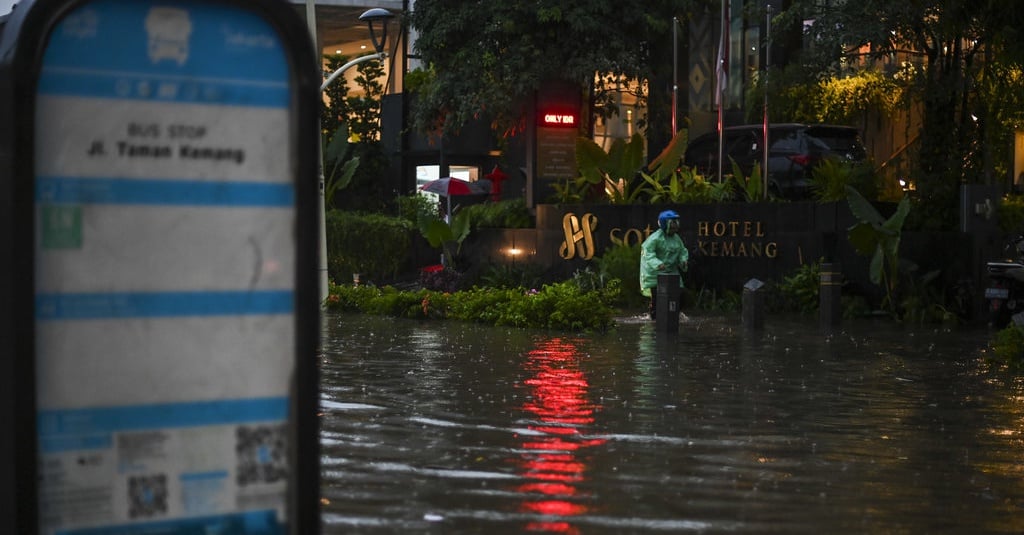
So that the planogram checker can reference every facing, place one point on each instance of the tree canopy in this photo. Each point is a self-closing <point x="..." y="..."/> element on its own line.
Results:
<point x="486" y="56"/>
<point x="968" y="81"/>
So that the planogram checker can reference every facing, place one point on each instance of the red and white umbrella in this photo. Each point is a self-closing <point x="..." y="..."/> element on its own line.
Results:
<point x="451" y="186"/>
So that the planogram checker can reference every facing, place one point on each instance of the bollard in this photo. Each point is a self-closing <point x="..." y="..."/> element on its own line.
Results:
<point x="753" y="305"/>
<point x="830" y="293"/>
<point x="666" y="304"/>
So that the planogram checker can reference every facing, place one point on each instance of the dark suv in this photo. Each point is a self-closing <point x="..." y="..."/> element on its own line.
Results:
<point x="795" y="150"/>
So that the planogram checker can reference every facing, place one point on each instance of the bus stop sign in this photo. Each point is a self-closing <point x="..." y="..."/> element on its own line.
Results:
<point x="166" y="153"/>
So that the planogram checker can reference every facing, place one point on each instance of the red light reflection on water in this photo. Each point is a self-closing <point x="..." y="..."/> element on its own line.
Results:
<point x="551" y="464"/>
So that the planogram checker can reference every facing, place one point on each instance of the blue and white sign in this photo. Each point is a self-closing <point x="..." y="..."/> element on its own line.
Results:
<point x="165" y="270"/>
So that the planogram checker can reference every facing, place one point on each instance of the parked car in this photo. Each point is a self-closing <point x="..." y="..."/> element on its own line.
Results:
<point x="795" y="150"/>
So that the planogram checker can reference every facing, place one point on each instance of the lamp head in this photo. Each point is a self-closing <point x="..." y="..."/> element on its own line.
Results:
<point x="372" y="16"/>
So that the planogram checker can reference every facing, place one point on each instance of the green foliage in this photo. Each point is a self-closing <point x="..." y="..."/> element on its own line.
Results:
<point x="510" y="276"/>
<point x="361" y="112"/>
<point x="588" y="279"/>
<point x="334" y="110"/>
<point x="1010" y="214"/>
<point x="445" y="280"/>
<point x="418" y="78"/>
<point x="560" y="306"/>
<point x="350" y="298"/>
<point x="571" y="191"/>
<point x="878" y="238"/>
<point x="841" y="100"/>
<point x="622" y="262"/>
<point x="350" y="131"/>
<point x="511" y="213"/>
<point x="338" y="168"/>
<point x="923" y="300"/>
<point x="667" y="162"/>
<point x="373" y="245"/>
<point x="666" y="181"/>
<point x="413" y="207"/>
<point x="603" y="176"/>
<point x="855" y="306"/>
<point x="832" y="176"/>
<point x="792" y="95"/>
<point x="366" y="191"/>
<point x="614" y="170"/>
<point x="752" y="187"/>
<point x="1008" y="345"/>
<point x="445" y="236"/>
<point x="963" y="87"/>
<point x="799" y="292"/>
<point x="396" y="303"/>
<point x="684" y="186"/>
<point x="489" y="59"/>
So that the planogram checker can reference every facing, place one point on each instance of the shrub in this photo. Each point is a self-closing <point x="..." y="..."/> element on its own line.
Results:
<point x="373" y="245"/>
<point x="831" y="177"/>
<point x="350" y="299"/>
<point x="440" y="280"/>
<point x="511" y="213"/>
<point x="622" y="262"/>
<point x="559" y="306"/>
<point x="1008" y="345"/>
<point x="521" y="275"/>
<point x="798" y="292"/>
<point x="413" y="207"/>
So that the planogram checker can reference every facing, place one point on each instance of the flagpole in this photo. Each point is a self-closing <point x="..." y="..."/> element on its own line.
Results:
<point x="722" y="70"/>
<point x="767" y="64"/>
<point x="675" y="73"/>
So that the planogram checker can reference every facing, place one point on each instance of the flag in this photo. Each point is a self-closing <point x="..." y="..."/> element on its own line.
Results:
<point x="722" y="67"/>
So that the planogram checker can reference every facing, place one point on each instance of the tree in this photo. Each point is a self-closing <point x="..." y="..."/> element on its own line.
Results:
<point x="965" y="49"/>
<point x="355" y="161"/>
<point x="487" y="57"/>
<point x="361" y="112"/>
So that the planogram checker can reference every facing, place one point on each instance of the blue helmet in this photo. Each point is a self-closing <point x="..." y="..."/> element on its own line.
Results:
<point x="664" y="217"/>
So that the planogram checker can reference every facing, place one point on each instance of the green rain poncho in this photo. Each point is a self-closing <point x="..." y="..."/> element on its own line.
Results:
<point x="661" y="253"/>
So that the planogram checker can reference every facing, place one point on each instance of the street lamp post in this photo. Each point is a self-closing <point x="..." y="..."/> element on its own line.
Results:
<point x="371" y="17"/>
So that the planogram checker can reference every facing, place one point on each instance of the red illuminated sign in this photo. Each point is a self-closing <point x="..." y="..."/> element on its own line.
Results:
<point x="557" y="119"/>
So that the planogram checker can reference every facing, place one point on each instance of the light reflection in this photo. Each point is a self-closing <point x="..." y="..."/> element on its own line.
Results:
<point x="551" y="464"/>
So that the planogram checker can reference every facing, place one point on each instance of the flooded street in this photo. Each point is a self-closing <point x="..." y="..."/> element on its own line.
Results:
<point x="448" y="427"/>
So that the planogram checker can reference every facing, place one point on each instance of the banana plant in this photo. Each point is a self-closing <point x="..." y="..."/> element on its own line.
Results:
<point x="445" y="236"/>
<point x="669" y="160"/>
<point x="666" y="180"/>
<point x="612" y="170"/>
<point x="879" y="238"/>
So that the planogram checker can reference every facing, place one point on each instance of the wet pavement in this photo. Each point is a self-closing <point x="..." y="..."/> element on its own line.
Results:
<point x="449" y="427"/>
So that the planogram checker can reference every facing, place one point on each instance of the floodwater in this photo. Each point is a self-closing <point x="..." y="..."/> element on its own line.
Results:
<point x="449" y="427"/>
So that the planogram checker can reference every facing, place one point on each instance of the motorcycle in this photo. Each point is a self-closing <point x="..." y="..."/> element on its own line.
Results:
<point x="1005" y="294"/>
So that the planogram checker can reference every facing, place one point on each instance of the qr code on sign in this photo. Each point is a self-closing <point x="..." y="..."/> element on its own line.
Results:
<point x="262" y="454"/>
<point x="147" y="495"/>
